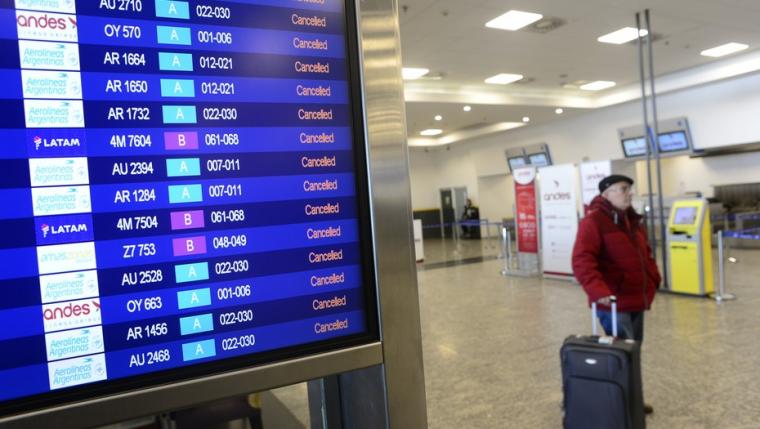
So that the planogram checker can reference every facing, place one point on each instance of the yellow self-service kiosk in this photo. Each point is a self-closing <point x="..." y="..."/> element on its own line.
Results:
<point x="690" y="247"/>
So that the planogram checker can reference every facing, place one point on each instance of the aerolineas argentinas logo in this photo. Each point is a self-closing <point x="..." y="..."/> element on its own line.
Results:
<point x="68" y="286"/>
<point x="58" y="171"/>
<point x="48" y="55"/>
<point x="51" y="84"/>
<point x="54" y="114"/>
<point x="46" y="26"/>
<point x="75" y="371"/>
<point x="63" y="6"/>
<point x="75" y="342"/>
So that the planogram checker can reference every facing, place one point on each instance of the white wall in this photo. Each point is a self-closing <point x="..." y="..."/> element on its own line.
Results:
<point x="722" y="113"/>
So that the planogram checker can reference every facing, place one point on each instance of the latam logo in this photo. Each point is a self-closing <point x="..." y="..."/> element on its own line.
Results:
<point x="40" y="142"/>
<point x="46" y="26"/>
<point x="71" y="315"/>
<point x="65" y="6"/>
<point x="64" y="229"/>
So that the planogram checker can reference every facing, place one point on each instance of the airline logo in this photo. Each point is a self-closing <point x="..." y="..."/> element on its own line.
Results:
<point x="65" y="6"/>
<point x="54" y="114"/>
<point x="51" y="84"/>
<point x="77" y="342"/>
<point x="71" y="314"/>
<point x="58" y="171"/>
<point x="48" y="56"/>
<point x="61" y="200"/>
<point x="55" y="143"/>
<point x="46" y="26"/>
<point x="60" y="258"/>
<point x="63" y="229"/>
<point x="68" y="286"/>
<point x="76" y="371"/>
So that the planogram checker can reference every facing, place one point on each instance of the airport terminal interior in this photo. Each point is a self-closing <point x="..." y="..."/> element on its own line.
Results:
<point x="362" y="214"/>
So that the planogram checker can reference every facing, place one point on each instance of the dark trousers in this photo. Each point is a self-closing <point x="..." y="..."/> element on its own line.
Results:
<point x="630" y="325"/>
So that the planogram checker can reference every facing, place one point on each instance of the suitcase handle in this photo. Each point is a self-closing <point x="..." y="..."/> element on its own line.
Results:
<point x="613" y="300"/>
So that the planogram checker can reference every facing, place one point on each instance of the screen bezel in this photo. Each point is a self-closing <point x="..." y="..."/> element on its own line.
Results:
<point x="366" y="246"/>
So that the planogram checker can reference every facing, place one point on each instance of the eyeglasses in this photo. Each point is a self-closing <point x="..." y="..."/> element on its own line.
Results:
<point x="623" y="189"/>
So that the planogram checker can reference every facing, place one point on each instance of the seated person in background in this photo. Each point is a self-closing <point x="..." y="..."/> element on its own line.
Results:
<point x="470" y="213"/>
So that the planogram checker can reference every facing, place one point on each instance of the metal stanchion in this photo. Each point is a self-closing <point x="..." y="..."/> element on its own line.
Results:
<point x="722" y="295"/>
<point x="507" y="251"/>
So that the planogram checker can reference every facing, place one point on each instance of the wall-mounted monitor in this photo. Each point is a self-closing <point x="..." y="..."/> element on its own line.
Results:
<point x="675" y="141"/>
<point x="183" y="197"/>
<point x="539" y="159"/>
<point x="634" y="147"/>
<point x="517" y="162"/>
<point x="674" y="137"/>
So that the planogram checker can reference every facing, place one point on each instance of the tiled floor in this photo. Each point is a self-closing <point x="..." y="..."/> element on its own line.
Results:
<point x="492" y="344"/>
<point x="491" y="348"/>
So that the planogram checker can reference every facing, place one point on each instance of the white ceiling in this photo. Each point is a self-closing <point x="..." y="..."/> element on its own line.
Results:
<point x="449" y="37"/>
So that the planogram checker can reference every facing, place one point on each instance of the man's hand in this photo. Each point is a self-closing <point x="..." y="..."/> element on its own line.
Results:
<point x="607" y="300"/>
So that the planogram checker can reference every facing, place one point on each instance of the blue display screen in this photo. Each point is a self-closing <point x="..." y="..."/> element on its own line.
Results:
<point x="673" y="142"/>
<point x="181" y="183"/>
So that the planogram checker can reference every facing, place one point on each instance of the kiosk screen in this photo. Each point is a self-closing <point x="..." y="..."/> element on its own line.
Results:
<point x="183" y="191"/>
<point x="685" y="216"/>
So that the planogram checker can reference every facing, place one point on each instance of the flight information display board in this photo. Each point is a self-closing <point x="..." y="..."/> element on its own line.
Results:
<point x="183" y="190"/>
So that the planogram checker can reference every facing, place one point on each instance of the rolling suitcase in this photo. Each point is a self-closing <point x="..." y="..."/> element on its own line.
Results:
<point x="601" y="380"/>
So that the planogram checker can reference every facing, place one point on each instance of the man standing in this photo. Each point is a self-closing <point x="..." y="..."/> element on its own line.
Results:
<point x="612" y="257"/>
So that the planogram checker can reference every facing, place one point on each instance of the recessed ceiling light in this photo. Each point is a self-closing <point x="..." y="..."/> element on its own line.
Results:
<point x="728" y="48"/>
<point x="624" y="35"/>
<point x="411" y="73"/>
<point x="526" y="119"/>
<point x="504" y="78"/>
<point x="597" y="85"/>
<point x="513" y="20"/>
<point x="431" y="132"/>
<point x="438" y="117"/>
<point x="466" y="108"/>
<point x="558" y="110"/>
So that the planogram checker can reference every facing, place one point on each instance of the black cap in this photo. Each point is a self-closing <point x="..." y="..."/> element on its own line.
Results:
<point x="611" y="180"/>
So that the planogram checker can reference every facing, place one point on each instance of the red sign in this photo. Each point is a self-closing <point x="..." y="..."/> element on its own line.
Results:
<point x="527" y="215"/>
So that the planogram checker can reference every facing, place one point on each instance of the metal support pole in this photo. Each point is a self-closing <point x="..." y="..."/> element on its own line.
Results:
<point x="507" y="251"/>
<point x="722" y="295"/>
<point x="655" y="120"/>
<point x="647" y="139"/>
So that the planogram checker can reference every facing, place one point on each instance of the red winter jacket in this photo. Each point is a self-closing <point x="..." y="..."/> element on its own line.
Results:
<point x="611" y="256"/>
